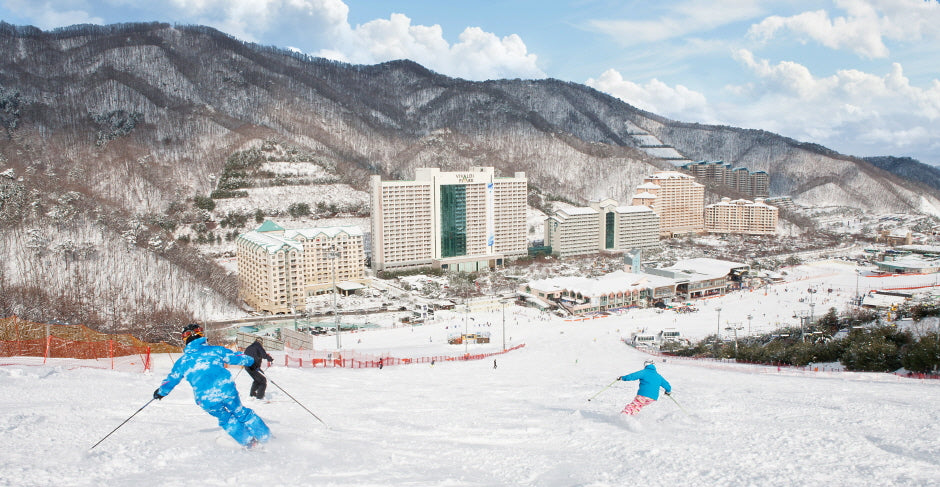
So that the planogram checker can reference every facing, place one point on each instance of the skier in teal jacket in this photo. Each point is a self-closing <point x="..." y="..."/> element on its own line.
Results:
<point x="650" y="382"/>
<point x="214" y="390"/>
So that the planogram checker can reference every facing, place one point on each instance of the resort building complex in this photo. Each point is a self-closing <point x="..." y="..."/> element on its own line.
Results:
<point x="602" y="226"/>
<point x="741" y="217"/>
<point x="686" y="279"/>
<point x="279" y="269"/>
<point x="755" y="184"/>
<point x="463" y="221"/>
<point x="677" y="199"/>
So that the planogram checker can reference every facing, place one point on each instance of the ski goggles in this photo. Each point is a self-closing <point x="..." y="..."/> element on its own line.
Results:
<point x="188" y="333"/>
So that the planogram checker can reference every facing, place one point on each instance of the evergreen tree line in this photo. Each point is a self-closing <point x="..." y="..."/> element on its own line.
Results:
<point x="864" y="344"/>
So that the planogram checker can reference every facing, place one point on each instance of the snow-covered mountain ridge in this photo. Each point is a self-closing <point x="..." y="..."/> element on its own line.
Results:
<point x="146" y="111"/>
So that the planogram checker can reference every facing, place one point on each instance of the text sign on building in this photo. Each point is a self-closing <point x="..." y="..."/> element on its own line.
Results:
<point x="464" y="178"/>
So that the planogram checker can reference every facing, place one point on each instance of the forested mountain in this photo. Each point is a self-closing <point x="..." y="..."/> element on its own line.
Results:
<point x="115" y="135"/>
<point x="908" y="168"/>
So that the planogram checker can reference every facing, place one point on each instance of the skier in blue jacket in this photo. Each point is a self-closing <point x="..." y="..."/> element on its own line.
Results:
<point x="213" y="387"/>
<point x="650" y="382"/>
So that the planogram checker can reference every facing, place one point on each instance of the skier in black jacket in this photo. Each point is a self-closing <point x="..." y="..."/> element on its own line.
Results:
<point x="256" y="351"/>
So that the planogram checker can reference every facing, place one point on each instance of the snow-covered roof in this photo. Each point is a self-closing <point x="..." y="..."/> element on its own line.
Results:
<point x="910" y="263"/>
<point x="670" y="175"/>
<point x="704" y="267"/>
<point x="329" y="232"/>
<point x="270" y="242"/>
<point x="927" y="249"/>
<point x="579" y="210"/>
<point x="614" y="282"/>
<point x="349" y="285"/>
<point x="740" y="202"/>
<point x="881" y="300"/>
<point x="633" y="209"/>
<point x="644" y="195"/>
<point x="649" y="185"/>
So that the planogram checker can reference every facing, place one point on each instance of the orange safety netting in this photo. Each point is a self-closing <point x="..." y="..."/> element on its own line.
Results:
<point x="20" y="338"/>
<point x="357" y="360"/>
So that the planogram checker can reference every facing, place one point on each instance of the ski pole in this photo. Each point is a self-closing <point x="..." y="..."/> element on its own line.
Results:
<point x="604" y="389"/>
<point x="677" y="404"/>
<point x="122" y="424"/>
<point x="295" y="399"/>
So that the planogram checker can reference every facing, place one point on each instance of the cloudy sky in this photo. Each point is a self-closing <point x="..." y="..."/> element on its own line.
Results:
<point x="859" y="76"/>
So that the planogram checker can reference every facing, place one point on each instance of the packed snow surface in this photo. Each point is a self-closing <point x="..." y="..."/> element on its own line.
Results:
<point x="527" y="421"/>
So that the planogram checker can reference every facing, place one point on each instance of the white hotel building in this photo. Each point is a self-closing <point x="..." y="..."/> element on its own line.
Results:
<point x="279" y="269"/>
<point x="461" y="220"/>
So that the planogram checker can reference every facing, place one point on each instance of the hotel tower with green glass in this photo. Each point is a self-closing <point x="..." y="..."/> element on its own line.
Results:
<point x="460" y="220"/>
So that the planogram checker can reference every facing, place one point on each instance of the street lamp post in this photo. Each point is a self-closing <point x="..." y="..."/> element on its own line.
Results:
<point x="858" y="297"/>
<point x="812" y="305"/>
<point x="749" y="324"/>
<point x="466" y="344"/>
<point x="718" y="333"/>
<point x="504" y="325"/>
<point x="333" y="254"/>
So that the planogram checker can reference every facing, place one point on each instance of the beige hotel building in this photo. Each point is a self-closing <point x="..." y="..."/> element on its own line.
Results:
<point x="279" y="269"/>
<point x="741" y="216"/>
<point x="460" y="220"/>
<point x="677" y="199"/>
<point x="604" y="226"/>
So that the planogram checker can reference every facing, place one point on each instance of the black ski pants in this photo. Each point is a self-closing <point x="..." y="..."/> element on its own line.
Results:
<point x="259" y="385"/>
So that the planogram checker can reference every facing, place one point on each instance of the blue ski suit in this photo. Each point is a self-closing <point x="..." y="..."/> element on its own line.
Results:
<point x="214" y="390"/>
<point x="650" y="382"/>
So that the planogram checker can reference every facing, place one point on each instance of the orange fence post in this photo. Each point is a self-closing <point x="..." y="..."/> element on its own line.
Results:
<point x="45" y="355"/>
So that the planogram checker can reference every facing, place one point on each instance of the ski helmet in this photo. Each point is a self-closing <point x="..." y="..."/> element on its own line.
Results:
<point x="647" y="362"/>
<point x="191" y="332"/>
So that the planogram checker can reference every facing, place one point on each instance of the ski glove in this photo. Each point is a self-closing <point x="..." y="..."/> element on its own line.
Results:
<point x="669" y="393"/>
<point x="619" y="377"/>
<point x="157" y="395"/>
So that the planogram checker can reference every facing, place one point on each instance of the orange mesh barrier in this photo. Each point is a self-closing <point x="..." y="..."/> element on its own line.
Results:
<point x="74" y="345"/>
<point x="357" y="360"/>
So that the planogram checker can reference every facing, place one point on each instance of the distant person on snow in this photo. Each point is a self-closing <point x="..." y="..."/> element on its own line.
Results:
<point x="257" y="352"/>
<point x="202" y="365"/>
<point x="650" y="382"/>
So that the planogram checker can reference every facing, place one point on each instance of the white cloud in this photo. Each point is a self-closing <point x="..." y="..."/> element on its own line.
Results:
<point x="52" y="14"/>
<point x="851" y="108"/>
<point x="865" y="27"/>
<point x="477" y="55"/>
<point x="319" y="27"/>
<point x="324" y="25"/>
<point x="252" y="20"/>
<point x="678" y="20"/>
<point x="655" y="96"/>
